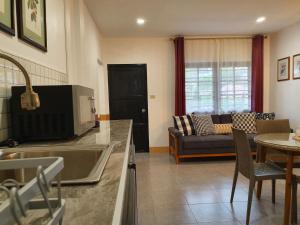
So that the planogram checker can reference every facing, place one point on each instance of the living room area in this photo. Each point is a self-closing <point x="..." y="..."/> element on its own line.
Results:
<point x="214" y="87"/>
<point x="150" y="112"/>
<point x="235" y="76"/>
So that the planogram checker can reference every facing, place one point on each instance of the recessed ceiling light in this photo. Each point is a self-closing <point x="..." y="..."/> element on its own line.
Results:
<point x="260" y="19"/>
<point x="140" y="21"/>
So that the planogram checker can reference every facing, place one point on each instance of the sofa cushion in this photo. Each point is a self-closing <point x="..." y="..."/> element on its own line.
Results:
<point x="184" y="124"/>
<point x="216" y="119"/>
<point x="265" y="116"/>
<point x="209" y="141"/>
<point x="203" y="124"/>
<point x="225" y="118"/>
<point x="245" y="122"/>
<point x="212" y="141"/>
<point x="225" y="128"/>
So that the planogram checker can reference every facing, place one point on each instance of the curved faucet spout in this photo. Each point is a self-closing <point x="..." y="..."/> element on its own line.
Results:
<point x="29" y="100"/>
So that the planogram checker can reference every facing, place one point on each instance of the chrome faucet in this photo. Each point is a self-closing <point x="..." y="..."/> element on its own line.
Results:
<point x="29" y="99"/>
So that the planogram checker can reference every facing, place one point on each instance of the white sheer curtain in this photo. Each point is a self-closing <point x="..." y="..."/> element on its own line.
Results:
<point x="218" y="75"/>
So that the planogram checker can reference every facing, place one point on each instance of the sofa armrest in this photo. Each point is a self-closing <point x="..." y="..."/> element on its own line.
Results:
<point x="175" y="142"/>
<point x="175" y="132"/>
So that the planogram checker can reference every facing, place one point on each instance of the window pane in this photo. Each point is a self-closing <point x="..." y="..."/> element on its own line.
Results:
<point x="227" y="91"/>
<point x="199" y="89"/>
<point x="234" y="89"/>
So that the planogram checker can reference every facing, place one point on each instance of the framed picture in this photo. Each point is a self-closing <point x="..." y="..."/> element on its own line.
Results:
<point x="32" y="22"/>
<point x="283" y="69"/>
<point x="7" y="23"/>
<point x="296" y="67"/>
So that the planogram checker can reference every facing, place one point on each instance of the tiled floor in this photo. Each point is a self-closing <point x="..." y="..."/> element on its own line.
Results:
<point x="197" y="193"/>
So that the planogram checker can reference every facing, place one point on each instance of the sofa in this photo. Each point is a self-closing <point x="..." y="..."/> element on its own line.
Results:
<point x="216" y="145"/>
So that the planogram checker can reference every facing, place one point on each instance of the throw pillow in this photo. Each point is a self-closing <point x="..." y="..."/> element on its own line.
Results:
<point x="184" y="124"/>
<point x="265" y="116"/>
<point x="226" y="118"/>
<point x="203" y="124"/>
<point x="223" y="128"/>
<point x="245" y="122"/>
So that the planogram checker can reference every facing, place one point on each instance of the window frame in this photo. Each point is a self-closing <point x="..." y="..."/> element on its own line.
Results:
<point x="216" y="79"/>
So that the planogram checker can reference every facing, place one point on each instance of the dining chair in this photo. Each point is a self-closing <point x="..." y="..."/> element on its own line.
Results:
<point x="281" y="126"/>
<point x="272" y="126"/>
<point x="253" y="171"/>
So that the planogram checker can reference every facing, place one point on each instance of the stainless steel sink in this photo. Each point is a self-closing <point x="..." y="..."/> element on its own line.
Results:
<point x="80" y="166"/>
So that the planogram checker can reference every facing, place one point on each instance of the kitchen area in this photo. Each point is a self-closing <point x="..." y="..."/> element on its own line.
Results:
<point x="59" y="164"/>
<point x="62" y="166"/>
<point x="103" y="196"/>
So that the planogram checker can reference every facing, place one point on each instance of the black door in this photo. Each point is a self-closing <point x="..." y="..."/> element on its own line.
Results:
<point x="128" y="99"/>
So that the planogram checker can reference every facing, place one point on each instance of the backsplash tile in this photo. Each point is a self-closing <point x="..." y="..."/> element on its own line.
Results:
<point x="10" y="75"/>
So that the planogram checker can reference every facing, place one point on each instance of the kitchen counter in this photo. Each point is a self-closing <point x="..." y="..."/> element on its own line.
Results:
<point x="99" y="203"/>
<point x="96" y="204"/>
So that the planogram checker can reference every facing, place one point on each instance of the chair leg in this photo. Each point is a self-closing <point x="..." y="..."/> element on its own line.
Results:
<point x="236" y="172"/>
<point x="250" y="196"/>
<point x="273" y="191"/>
<point x="294" y="204"/>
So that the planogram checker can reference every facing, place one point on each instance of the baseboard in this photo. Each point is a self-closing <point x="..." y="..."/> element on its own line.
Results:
<point x="163" y="149"/>
<point x="103" y="117"/>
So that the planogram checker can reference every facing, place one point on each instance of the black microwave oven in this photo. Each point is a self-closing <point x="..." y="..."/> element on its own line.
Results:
<point x="66" y="111"/>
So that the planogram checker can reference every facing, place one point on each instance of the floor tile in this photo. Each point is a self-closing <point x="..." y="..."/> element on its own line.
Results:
<point x="239" y="210"/>
<point x="146" y="217"/>
<point x="198" y="192"/>
<point x="212" y="213"/>
<point x="177" y="214"/>
<point x="221" y="223"/>
<point x="271" y="220"/>
<point x="169" y="197"/>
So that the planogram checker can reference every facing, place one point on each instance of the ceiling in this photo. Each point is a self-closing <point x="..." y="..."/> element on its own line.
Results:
<point x="164" y="18"/>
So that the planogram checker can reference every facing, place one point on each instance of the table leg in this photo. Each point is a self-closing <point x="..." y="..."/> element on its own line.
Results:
<point x="288" y="188"/>
<point x="261" y="158"/>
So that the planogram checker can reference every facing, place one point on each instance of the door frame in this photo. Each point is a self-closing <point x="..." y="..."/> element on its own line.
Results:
<point x="145" y="98"/>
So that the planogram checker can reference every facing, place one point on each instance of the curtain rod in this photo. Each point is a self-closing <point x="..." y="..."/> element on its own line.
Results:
<point x="216" y="37"/>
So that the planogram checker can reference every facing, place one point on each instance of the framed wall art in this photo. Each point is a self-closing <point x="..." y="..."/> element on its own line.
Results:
<point x="296" y="67"/>
<point x="7" y="23"/>
<point x="283" y="69"/>
<point x="32" y="25"/>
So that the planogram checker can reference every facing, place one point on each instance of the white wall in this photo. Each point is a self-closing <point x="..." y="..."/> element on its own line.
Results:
<point x="83" y="48"/>
<point x="55" y="58"/>
<point x="73" y="51"/>
<point x="158" y="54"/>
<point x="44" y="68"/>
<point x="284" y="95"/>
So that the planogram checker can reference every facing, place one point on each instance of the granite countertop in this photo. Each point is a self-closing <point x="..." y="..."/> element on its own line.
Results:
<point x="94" y="204"/>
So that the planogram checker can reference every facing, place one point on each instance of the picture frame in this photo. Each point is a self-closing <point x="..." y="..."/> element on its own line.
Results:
<point x="7" y="17"/>
<point x="32" y="24"/>
<point x="283" y="69"/>
<point x="296" y="66"/>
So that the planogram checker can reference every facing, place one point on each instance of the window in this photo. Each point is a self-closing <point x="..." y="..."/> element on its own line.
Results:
<point x="218" y="89"/>
<point x="218" y="75"/>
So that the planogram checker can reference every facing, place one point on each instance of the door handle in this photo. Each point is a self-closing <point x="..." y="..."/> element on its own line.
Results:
<point x="144" y="110"/>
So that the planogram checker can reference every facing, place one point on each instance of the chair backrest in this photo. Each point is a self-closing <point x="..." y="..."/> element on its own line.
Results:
<point x="273" y="126"/>
<point x="243" y="152"/>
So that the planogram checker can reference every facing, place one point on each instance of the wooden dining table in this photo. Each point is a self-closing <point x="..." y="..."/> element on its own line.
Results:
<point x="286" y="144"/>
